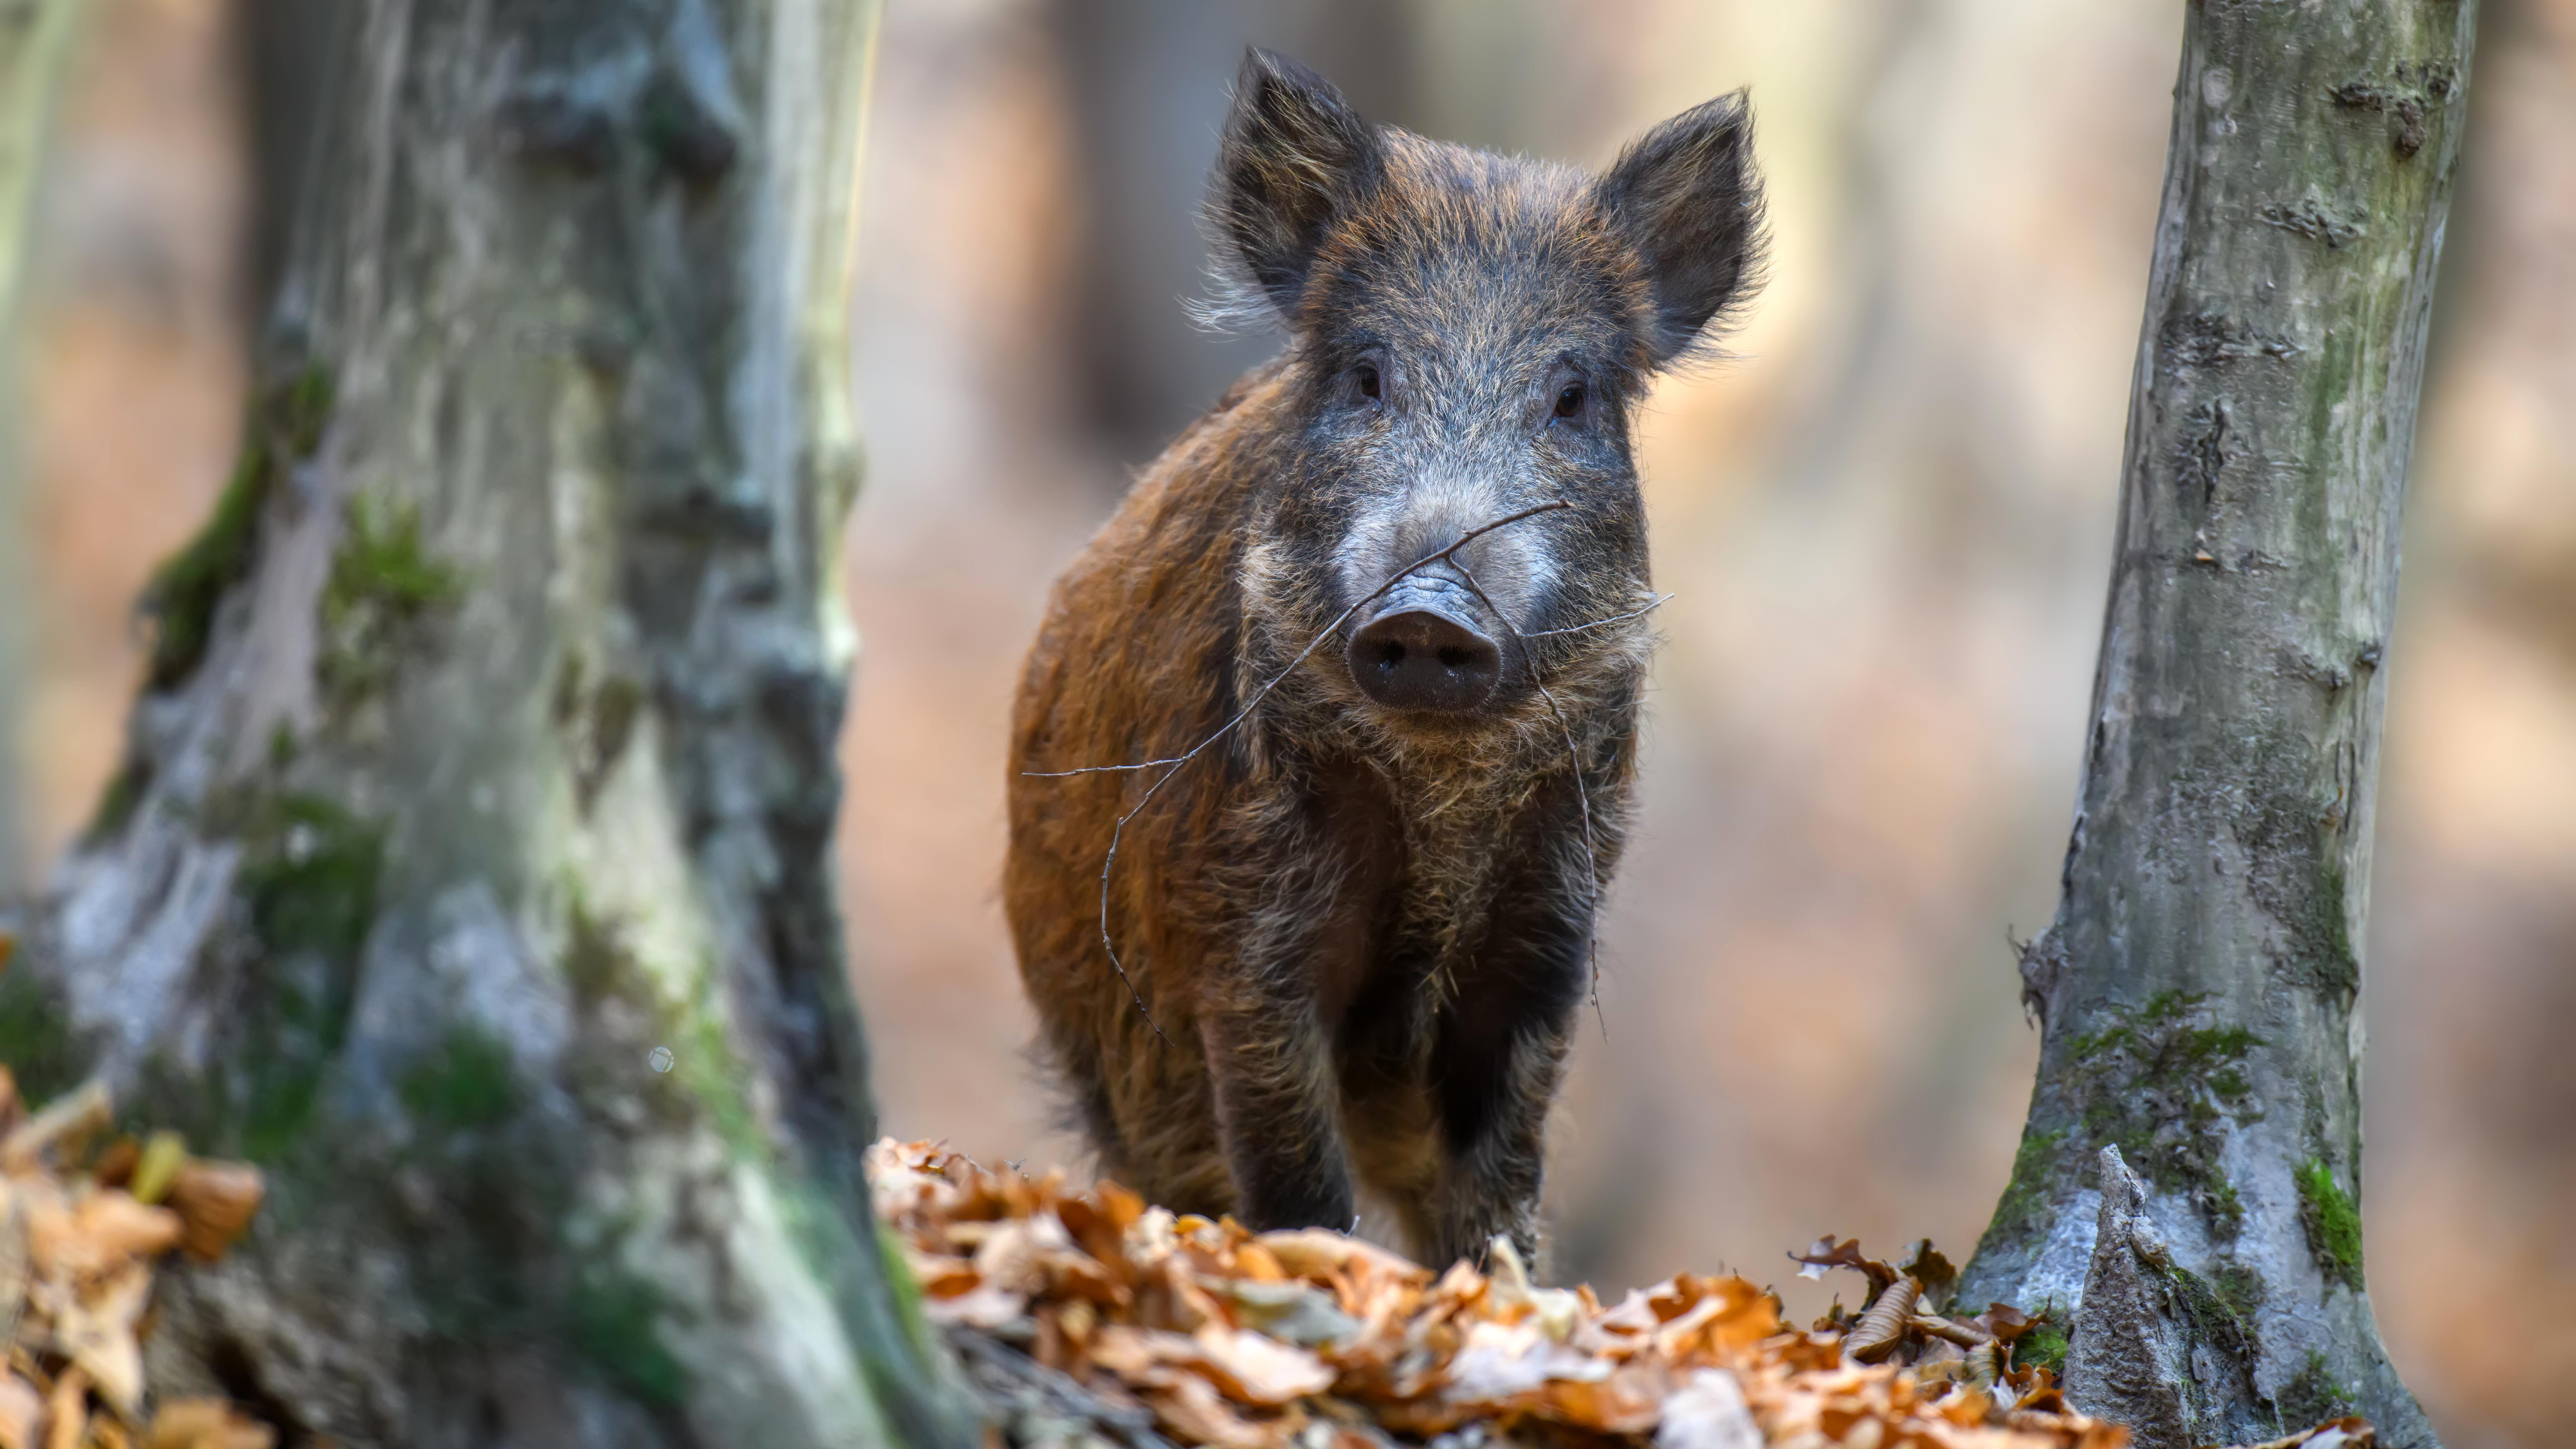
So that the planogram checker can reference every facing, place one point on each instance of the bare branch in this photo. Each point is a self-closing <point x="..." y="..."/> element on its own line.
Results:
<point x="1582" y="796"/>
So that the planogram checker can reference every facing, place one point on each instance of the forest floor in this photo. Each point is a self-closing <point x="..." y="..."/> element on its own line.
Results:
<point x="1085" y="1316"/>
<point x="1087" y="1311"/>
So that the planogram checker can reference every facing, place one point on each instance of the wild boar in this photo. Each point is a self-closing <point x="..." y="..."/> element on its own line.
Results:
<point x="1345" y="945"/>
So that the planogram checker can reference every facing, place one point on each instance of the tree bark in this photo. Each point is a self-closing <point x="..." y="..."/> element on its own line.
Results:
<point x="35" y="43"/>
<point x="2197" y="989"/>
<point x="470" y="868"/>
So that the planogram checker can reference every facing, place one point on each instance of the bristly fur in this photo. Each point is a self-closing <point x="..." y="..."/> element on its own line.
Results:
<point x="1356" y="932"/>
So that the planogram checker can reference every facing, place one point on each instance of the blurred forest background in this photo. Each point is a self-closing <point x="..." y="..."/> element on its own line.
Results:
<point x="1887" y="522"/>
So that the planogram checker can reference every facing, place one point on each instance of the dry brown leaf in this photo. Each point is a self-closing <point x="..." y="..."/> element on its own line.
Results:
<point x="982" y="1306"/>
<point x="67" y="1410"/>
<point x="96" y="1331"/>
<point x="205" y="1424"/>
<point x="65" y="1120"/>
<point x="1254" y="1368"/>
<point x="1321" y="1252"/>
<point x="22" y="1409"/>
<point x="1192" y="1409"/>
<point x="1882" y="1328"/>
<point x="114" y="1165"/>
<point x="119" y="1228"/>
<point x="215" y="1202"/>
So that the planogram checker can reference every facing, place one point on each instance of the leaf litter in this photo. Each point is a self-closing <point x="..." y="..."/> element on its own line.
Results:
<point x="85" y="1214"/>
<point x="1157" y="1328"/>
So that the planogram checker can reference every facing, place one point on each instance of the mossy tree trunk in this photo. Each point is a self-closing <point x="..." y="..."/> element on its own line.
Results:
<point x="35" y="40"/>
<point x="2198" y="988"/>
<point x="470" y="868"/>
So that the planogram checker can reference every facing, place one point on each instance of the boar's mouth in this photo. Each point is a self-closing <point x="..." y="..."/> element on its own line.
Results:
<point x="1423" y="649"/>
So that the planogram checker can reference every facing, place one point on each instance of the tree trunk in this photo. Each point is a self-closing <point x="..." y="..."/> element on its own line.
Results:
<point x="470" y="868"/>
<point x="2197" y="989"/>
<point x="35" y="41"/>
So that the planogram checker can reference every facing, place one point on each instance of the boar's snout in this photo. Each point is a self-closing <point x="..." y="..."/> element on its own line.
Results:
<point x="1422" y="652"/>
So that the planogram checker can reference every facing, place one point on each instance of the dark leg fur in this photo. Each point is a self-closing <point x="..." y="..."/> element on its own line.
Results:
<point x="1270" y="1053"/>
<point x="1496" y="1063"/>
<point x="1276" y="1114"/>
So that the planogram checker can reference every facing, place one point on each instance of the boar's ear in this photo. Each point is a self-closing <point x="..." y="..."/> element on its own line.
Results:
<point x="1294" y="155"/>
<point x="1687" y="198"/>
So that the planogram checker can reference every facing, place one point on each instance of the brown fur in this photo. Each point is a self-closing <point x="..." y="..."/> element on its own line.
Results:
<point x="1360" y="934"/>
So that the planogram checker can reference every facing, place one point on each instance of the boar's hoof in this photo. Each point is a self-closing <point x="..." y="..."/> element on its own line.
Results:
<point x="1423" y="659"/>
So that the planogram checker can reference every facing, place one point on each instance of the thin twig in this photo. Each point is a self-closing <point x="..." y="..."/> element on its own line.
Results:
<point x="1311" y="646"/>
<point x="1660" y="601"/>
<point x="1179" y="762"/>
<point x="1582" y="796"/>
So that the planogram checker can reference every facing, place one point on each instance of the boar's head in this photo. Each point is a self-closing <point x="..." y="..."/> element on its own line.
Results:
<point x="1470" y="336"/>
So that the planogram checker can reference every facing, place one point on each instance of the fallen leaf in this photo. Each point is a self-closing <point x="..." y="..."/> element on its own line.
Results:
<point x="215" y="1202"/>
<point x="205" y="1424"/>
<point x="21" y="1410"/>
<point x="117" y="1227"/>
<point x="1709" y="1413"/>
<point x="67" y="1410"/>
<point x="65" y="1120"/>
<point x="157" y="1166"/>
<point x="1502" y="1360"/>
<point x="1255" y="1368"/>
<point x="1191" y="1407"/>
<point x="1294" y="1312"/>
<point x="984" y="1306"/>
<point x="96" y="1332"/>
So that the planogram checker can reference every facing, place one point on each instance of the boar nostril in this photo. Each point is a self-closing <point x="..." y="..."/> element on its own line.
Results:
<point x="1424" y="659"/>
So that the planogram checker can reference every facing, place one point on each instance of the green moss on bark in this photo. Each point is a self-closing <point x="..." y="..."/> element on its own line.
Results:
<point x="116" y="804"/>
<point x="2314" y="1397"/>
<point x="283" y="427"/>
<point x="38" y="1043"/>
<point x="2209" y="1317"/>
<point x="384" y="587"/>
<point x="2332" y="1222"/>
<point x="2239" y="1288"/>
<point x="2022" y="1211"/>
<point x="307" y="887"/>
<point x="2043" y="1347"/>
<point x="2164" y="1086"/>
<point x="611" y="1319"/>
<point x="467" y="1083"/>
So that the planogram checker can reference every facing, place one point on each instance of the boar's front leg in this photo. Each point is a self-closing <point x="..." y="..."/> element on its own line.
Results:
<point x="1275" y="1111"/>
<point x="1499" y="1058"/>
<point x="1269" y="1052"/>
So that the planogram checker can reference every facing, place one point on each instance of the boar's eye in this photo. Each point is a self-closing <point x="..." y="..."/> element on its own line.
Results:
<point x="1365" y="375"/>
<point x="1569" y="400"/>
